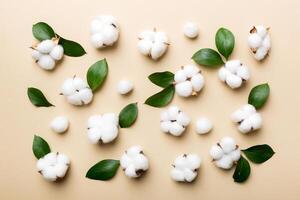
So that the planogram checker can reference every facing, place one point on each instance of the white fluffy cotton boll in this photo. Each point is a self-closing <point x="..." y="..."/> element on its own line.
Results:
<point x="203" y="125"/>
<point x="104" y="31"/>
<point x="35" y="54"/>
<point x="184" y="89"/>
<point x="185" y="168"/>
<point x="46" y="62"/>
<point x="77" y="91"/>
<point x="53" y="166"/>
<point x="134" y="162"/>
<point x="124" y="87"/>
<point x="227" y="144"/>
<point x="190" y="30"/>
<point x="225" y="162"/>
<point x="254" y="40"/>
<point x="174" y="121"/>
<point x="45" y="46"/>
<point x="259" y="42"/>
<point x="216" y="152"/>
<point x="59" y="124"/>
<point x="57" y="52"/>
<point x="153" y="43"/>
<point x="233" y="81"/>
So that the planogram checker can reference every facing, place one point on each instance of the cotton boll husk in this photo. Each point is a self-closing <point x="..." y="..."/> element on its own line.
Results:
<point x="197" y="82"/>
<point x="216" y="152"/>
<point x="235" y="155"/>
<point x="233" y="81"/>
<point x="124" y="86"/>
<point x="180" y="76"/>
<point x="35" y="54"/>
<point x="68" y="87"/>
<point x="254" y="40"/>
<point x="203" y="125"/>
<point x="86" y="95"/>
<point x="46" y="62"/>
<point x="243" y="72"/>
<point x="97" y="40"/>
<point x="261" y="53"/>
<point x="184" y="89"/>
<point x="228" y="144"/>
<point x="75" y="99"/>
<point x="165" y="126"/>
<point x="176" y="129"/>
<point x="183" y="119"/>
<point x="57" y="52"/>
<point x="225" y="162"/>
<point x="59" y="124"/>
<point x="94" y="135"/>
<point x="145" y="46"/>
<point x="233" y="65"/>
<point x="157" y="50"/>
<point x="173" y="112"/>
<point x="45" y="46"/>
<point x="223" y="72"/>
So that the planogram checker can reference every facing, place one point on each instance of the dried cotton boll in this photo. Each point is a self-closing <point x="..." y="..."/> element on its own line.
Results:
<point x="225" y="153"/>
<point x="103" y="128"/>
<point x="134" y="162"/>
<point x="104" y="31"/>
<point x="185" y="168"/>
<point x="53" y="166"/>
<point x="124" y="87"/>
<point x="77" y="91"/>
<point x="234" y="73"/>
<point x="259" y="42"/>
<point x="190" y="30"/>
<point x="188" y="81"/>
<point x="46" y="62"/>
<point x="153" y="43"/>
<point x="59" y="124"/>
<point x="203" y="126"/>
<point x="174" y="121"/>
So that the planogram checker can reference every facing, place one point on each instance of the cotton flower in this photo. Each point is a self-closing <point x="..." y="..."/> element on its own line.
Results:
<point x="103" y="128"/>
<point x="203" y="125"/>
<point x="225" y="153"/>
<point x="134" y="162"/>
<point x="47" y="52"/>
<point x="59" y="124"/>
<point x="124" y="86"/>
<point x="185" y="168"/>
<point x="174" y="121"/>
<point x="153" y="43"/>
<point x="188" y="81"/>
<point x="259" y="42"/>
<point x="53" y="166"/>
<point x="104" y="31"/>
<point x="190" y="30"/>
<point x="247" y="118"/>
<point x="77" y="91"/>
<point x="234" y="73"/>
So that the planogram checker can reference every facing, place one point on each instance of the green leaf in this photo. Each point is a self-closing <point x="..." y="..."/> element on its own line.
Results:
<point x="225" y="42"/>
<point x="162" y="79"/>
<point x="162" y="98"/>
<point x="71" y="48"/>
<point x="259" y="95"/>
<point x="259" y="153"/>
<point x="103" y="170"/>
<point x="97" y="74"/>
<point x="37" y="98"/>
<point x="242" y="170"/>
<point x="42" y="31"/>
<point x="40" y="147"/>
<point x="128" y="115"/>
<point x="207" y="57"/>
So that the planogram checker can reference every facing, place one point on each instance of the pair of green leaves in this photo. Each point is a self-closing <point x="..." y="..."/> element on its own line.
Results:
<point x="40" y="147"/>
<point x="257" y="154"/>
<point x="224" y="40"/>
<point x="42" y="31"/>
<point x="259" y="95"/>
<point x="164" y="97"/>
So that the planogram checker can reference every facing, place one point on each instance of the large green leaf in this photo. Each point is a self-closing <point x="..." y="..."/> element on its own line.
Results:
<point x="162" y="79"/>
<point x="208" y="57"/>
<point x="40" y="147"/>
<point x="103" y="170"/>
<point x="259" y="153"/>
<point x="259" y="95"/>
<point x="97" y="74"/>
<point x="128" y="115"/>
<point x="242" y="170"/>
<point x="71" y="48"/>
<point x="162" y="98"/>
<point x="37" y="98"/>
<point x="42" y="31"/>
<point x="225" y="42"/>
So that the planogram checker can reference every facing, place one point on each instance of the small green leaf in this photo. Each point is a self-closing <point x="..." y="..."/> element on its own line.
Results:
<point x="37" y="98"/>
<point x="242" y="170"/>
<point x="42" y="31"/>
<point x="259" y="95"/>
<point x="259" y="153"/>
<point x="71" y="48"/>
<point x="40" y="147"/>
<point x="162" y="79"/>
<point x="225" y="42"/>
<point x="97" y="74"/>
<point x="128" y="115"/>
<point x="162" y="98"/>
<point x="103" y="170"/>
<point x="207" y="57"/>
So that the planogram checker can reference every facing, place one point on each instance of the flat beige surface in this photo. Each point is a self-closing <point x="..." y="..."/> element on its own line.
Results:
<point x="276" y="179"/>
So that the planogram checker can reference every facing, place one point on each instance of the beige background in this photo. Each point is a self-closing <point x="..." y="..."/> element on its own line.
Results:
<point x="276" y="179"/>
